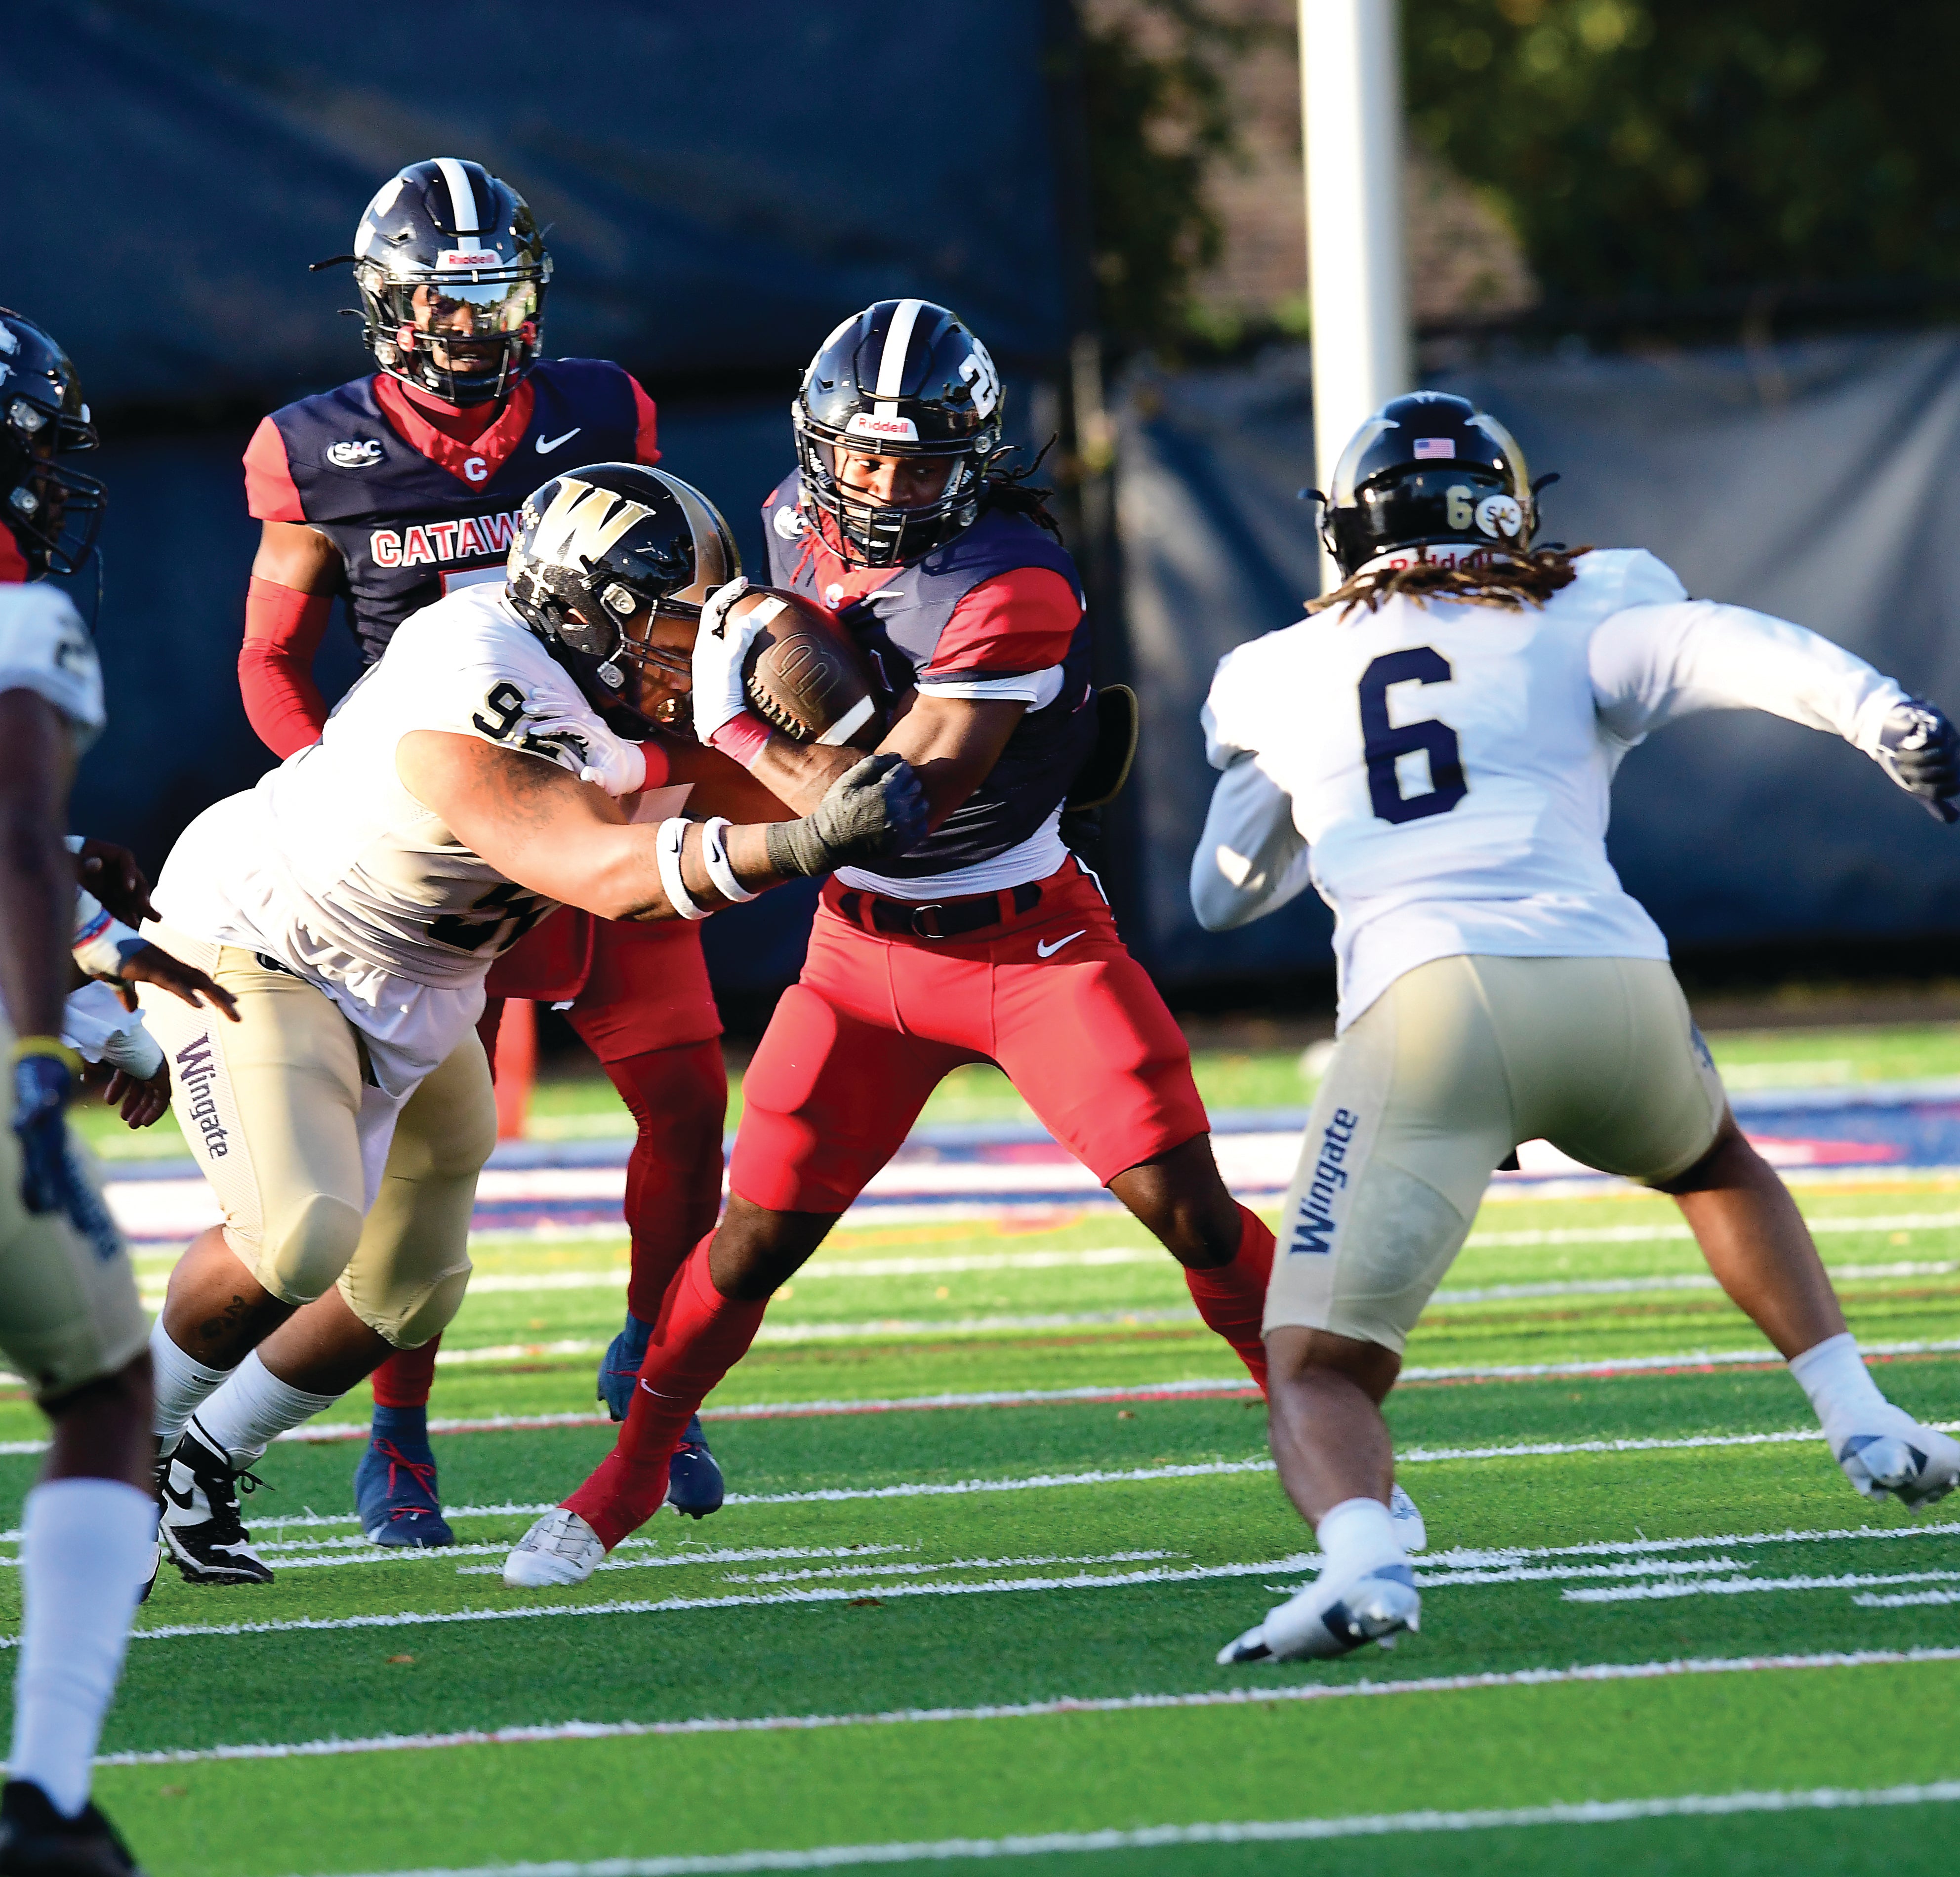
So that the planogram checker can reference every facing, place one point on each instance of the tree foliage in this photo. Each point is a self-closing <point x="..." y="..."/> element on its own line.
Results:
<point x="1674" y="147"/>
<point x="1159" y="116"/>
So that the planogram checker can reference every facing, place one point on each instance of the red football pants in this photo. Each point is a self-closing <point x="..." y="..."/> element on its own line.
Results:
<point x="875" y="1023"/>
<point x="646" y="984"/>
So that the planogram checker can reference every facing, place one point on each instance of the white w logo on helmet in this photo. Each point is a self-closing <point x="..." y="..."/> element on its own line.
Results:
<point x="582" y="522"/>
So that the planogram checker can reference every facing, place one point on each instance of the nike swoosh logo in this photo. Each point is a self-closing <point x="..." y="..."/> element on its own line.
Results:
<point x="181" y="1500"/>
<point x="1047" y="948"/>
<point x="547" y="444"/>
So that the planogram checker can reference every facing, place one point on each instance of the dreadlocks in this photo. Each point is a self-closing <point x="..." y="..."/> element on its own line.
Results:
<point x="1513" y="580"/>
<point x="1010" y="491"/>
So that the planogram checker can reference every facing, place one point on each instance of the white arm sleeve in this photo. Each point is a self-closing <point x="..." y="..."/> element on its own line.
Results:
<point x="1652" y="664"/>
<point x="1251" y="859"/>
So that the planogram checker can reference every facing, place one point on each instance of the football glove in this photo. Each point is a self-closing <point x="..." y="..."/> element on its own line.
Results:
<point x="720" y="651"/>
<point x="875" y="809"/>
<point x="42" y="1086"/>
<point x="1919" y="749"/>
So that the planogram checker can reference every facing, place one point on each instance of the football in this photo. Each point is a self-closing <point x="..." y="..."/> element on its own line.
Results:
<point x="803" y="675"/>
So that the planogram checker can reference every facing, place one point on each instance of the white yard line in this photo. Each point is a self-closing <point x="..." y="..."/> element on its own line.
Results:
<point x="1293" y="1830"/>
<point x="1204" y="1469"/>
<point x="1904" y="1599"/>
<point x="1748" y="1587"/>
<point x="1249" y="1696"/>
<point x="1643" y="1234"/>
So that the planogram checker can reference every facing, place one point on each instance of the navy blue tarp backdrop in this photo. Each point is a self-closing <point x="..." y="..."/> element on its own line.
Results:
<point x="715" y="189"/>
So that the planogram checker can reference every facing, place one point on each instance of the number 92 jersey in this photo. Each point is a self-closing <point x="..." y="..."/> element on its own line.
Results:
<point x="332" y="867"/>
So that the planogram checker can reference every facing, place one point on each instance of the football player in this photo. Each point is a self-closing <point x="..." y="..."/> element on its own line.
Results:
<point x="988" y="941"/>
<point x="70" y="1322"/>
<point x="484" y="768"/>
<point x="1432" y="748"/>
<point x="392" y="491"/>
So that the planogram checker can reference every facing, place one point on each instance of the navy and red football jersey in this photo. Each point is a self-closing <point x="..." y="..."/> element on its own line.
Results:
<point x="1002" y="598"/>
<point x="415" y="513"/>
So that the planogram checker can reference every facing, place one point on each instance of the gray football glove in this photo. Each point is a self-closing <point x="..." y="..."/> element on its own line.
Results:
<point x="1919" y="749"/>
<point x="873" y="810"/>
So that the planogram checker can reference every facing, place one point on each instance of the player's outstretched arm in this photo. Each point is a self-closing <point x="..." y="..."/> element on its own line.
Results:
<point x="1652" y="664"/>
<point x="569" y="841"/>
<point x="1251" y="859"/>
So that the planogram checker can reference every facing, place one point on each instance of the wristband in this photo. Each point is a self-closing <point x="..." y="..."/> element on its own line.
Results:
<point x="719" y="870"/>
<point x="103" y="942"/>
<point x="741" y="739"/>
<point x="667" y="839"/>
<point x="25" y="1046"/>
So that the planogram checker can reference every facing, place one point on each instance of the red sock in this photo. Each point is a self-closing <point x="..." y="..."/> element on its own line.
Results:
<point x="699" y="1337"/>
<point x="679" y="1098"/>
<point x="1232" y="1299"/>
<point x="404" y="1379"/>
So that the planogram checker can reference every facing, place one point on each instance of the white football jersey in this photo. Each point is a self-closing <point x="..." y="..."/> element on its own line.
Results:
<point x="44" y="647"/>
<point x="1441" y="772"/>
<point x="332" y="867"/>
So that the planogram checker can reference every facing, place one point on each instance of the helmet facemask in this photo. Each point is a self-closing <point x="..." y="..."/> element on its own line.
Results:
<point x="903" y="380"/>
<point x="610" y="569"/>
<point x="53" y="512"/>
<point x="452" y="272"/>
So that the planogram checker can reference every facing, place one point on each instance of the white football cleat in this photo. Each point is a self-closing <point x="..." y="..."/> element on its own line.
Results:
<point x="1901" y="1460"/>
<point x="1410" y="1530"/>
<point x="560" y="1549"/>
<point x="1333" y="1615"/>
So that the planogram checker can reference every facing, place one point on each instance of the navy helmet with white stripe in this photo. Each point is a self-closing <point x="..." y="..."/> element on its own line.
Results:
<point x="452" y="271"/>
<point x="903" y="378"/>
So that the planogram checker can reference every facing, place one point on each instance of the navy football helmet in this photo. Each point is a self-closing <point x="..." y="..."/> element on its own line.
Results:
<point x="609" y="568"/>
<point x="1426" y="470"/>
<point x="903" y="378"/>
<point x="452" y="272"/>
<point x="52" y="511"/>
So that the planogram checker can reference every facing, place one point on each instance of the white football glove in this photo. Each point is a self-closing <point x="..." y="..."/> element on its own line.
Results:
<point x="720" y="651"/>
<point x="616" y="765"/>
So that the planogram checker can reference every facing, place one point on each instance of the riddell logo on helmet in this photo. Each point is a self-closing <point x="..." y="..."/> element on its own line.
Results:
<point x="468" y="257"/>
<point x="896" y="429"/>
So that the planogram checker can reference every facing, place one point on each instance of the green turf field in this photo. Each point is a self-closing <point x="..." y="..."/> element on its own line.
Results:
<point x="1648" y="1591"/>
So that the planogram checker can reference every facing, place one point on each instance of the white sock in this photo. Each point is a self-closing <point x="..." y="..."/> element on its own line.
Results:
<point x="1847" y="1401"/>
<point x="242" y="1416"/>
<point x="182" y="1385"/>
<point x="1358" y="1534"/>
<point x="85" y="1546"/>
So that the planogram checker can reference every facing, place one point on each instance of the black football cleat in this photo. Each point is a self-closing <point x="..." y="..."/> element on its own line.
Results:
<point x="202" y="1531"/>
<point x="36" y="1841"/>
<point x="694" y="1486"/>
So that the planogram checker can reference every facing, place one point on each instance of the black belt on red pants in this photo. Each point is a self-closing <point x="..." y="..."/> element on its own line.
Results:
<point x="939" y="919"/>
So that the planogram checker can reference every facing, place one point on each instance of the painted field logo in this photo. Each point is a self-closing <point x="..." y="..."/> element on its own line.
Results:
<point x="197" y="1072"/>
<point x="1314" y="1224"/>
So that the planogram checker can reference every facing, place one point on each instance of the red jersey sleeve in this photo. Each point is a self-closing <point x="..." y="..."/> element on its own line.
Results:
<point x="283" y="630"/>
<point x="1021" y="621"/>
<point x="269" y="492"/>
<point x="648" y="450"/>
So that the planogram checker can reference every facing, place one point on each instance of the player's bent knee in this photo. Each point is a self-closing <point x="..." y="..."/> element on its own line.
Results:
<point x="1295" y="1353"/>
<point x="409" y="1319"/>
<point x="302" y="1258"/>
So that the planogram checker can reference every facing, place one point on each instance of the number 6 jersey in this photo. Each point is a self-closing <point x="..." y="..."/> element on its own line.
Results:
<point x="330" y="865"/>
<point x="1440" y="771"/>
